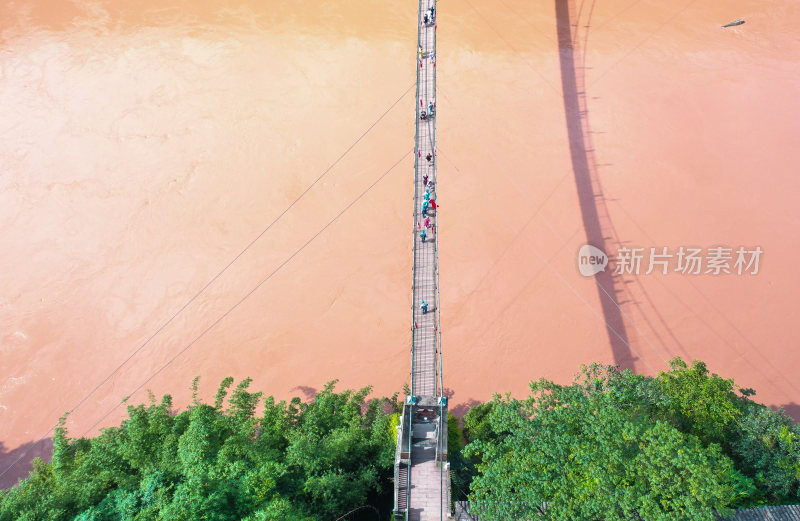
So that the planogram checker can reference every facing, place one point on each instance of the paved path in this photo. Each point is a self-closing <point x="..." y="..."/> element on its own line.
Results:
<point x="429" y="486"/>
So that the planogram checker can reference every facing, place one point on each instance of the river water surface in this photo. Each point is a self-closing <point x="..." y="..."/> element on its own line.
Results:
<point x="145" y="145"/>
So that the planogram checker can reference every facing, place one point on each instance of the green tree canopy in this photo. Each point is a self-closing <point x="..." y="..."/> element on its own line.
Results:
<point x="296" y="461"/>
<point x="619" y="446"/>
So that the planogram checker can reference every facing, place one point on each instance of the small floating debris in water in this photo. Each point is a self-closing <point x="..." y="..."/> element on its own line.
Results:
<point x="737" y="22"/>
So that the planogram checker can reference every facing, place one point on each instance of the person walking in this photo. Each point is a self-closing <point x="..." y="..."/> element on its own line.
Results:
<point x="423" y="235"/>
<point x="425" y="180"/>
<point x="425" y="207"/>
<point x="427" y="222"/>
<point x="429" y="157"/>
<point x="424" y="306"/>
<point x="433" y="204"/>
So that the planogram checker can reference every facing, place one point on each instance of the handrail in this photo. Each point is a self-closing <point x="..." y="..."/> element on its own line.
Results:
<point x="416" y="216"/>
<point x="408" y="474"/>
<point x="417" y="154"/>
<point x="396" y="468"/>
<point x="439" y="443"/>
<point x="438" y="229"/>
<point x="441" y="440"/>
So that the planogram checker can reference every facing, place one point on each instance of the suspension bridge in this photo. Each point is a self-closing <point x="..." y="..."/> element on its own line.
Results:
<point x="422" y="473"/>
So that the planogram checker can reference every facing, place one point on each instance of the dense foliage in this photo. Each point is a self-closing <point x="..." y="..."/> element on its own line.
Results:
<point x="685" y="445"/>
<point x="296" y="461"/>
<point x="461" y="468"/>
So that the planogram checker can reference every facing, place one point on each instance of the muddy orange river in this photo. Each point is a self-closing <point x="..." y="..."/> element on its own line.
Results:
<point x="145" y="151"/>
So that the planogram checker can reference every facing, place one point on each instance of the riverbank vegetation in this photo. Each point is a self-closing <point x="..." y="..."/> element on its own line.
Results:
<point x="292" y="461"/>
<point x="613" y="445"/>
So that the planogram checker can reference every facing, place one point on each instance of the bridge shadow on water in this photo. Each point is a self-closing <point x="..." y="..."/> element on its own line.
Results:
<point x="596" y="222"/>
<point x="792" y="409"/>
<point x="309" y="393"/>
<point x="17" y="463"/>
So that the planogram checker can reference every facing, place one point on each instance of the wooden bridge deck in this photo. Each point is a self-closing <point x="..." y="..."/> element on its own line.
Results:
<point x="427" y="491"/>
<point x="424" y="368"/>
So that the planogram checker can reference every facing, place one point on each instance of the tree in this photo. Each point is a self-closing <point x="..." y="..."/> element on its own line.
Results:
<point x="588" y="451"/>
<point x="767" y="446"/>
<point x="297" y="461"/>
<point x="706" y="406"/>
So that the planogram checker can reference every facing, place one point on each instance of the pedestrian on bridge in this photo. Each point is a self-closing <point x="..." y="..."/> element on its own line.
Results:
<point x="423" y="234"/>
<point x="424" y="306"/>
<point x="427" y="195"/>
<point x="425" y="207"/>
<point x="429" y="157"/>
<point x="433" y="204"/>
<point x="427" y="222"/>
<point x="425" y="180"/>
